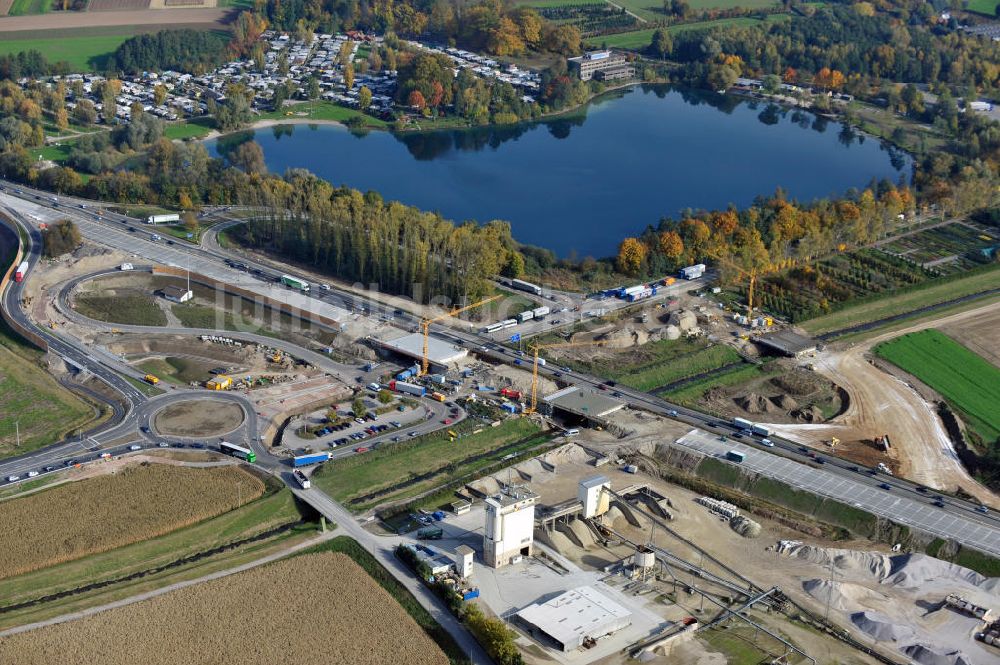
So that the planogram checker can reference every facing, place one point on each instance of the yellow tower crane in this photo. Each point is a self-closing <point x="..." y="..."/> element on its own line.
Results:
<point x="534" y="370"/>
<point x="426" y="325"/>
<point x="753" y="273"/>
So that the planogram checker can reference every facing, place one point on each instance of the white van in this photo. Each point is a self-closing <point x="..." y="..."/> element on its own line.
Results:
<point x="572" y="432"/>
<point x="126" y="266"/>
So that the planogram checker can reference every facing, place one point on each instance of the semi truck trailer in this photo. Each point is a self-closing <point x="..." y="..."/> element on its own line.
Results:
<point x="408" y="388"/>
<point x="312" y="458"/>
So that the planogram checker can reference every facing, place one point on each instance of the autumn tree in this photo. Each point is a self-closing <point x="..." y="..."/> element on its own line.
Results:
<point x="631" y="254"/>
<point x="364" y="98"/>
<point x="671" y="245"/>
<point x="416" y="100"/>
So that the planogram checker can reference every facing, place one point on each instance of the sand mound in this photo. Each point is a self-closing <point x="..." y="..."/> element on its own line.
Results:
<point x="754" y="403"/>
<point x="486" y="486"/>
<point x="745" y="527"/>
<point x="916" y="570"/>
<point x="557" y="541"/>
<point x="616" y="517"/>
<point x="568" y="453"/>
<point x="877" y="565"/>
<point x="927" y="656"/>
<point x="881" y="627"/>
<point x="581" y="534"/>
<point x="531" y="468"/>
<point x="844" y="596"/>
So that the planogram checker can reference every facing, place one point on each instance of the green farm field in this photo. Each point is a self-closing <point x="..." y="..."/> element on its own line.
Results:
<point x="83" y="53"/>
<point x="29" y="7"/>
<point x="640" y="39"/>
<point x="966" y="380"/>
<point x="652" y="10"/>
<point x="986" y="7"/>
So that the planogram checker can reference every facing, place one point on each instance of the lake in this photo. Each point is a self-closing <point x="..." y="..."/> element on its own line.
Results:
<point x="579" y="185"/>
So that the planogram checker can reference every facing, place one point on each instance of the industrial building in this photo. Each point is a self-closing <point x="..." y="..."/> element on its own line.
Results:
<point x="439" y="352"/>
<point x="575" y="617"/>
<point x="601" y="65"/>
<point x="592" y="495"/>
<point x="510" y="526"/>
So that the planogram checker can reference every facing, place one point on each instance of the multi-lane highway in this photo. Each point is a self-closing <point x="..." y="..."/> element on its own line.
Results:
<point x="115" y="231"/>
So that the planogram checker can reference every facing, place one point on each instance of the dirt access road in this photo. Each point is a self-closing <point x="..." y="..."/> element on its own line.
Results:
<point x="881" y="403"/>
<point x="76" y="20"/>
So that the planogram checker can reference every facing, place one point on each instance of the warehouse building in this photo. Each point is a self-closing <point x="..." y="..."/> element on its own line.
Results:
<point x="574" y="618"/>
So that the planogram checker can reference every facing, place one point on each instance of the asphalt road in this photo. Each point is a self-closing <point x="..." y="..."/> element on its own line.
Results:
<point x="329" y="302"/>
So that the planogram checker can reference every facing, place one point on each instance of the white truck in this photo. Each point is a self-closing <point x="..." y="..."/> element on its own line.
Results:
<point x="126" y="266"/>
<point x="760" y="430"/>
<point x="163" y="219"/>
<point x="301" y="479"/>
<point x="743" y="424"/>
<point x="693" y="272"/>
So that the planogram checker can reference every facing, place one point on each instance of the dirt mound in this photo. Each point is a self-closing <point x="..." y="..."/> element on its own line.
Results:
<point x="754" y="403"/>
<point x="745" y="527"/>
<point x="881" y="627"/>
<point x="578" y="533"/>
<point x="927" y="656"/>
<point x="798" y="382"/>
<point x="485" y="486"/>
<point x="785" y="402"/>
<point x="877" y="565"/>
<point x="625" y="338"/>
<point x="617" y="518"/>
<point x="566" y="454"/>
<point x="810" y="414"/>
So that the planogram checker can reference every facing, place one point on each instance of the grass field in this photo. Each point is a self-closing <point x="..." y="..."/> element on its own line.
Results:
<point x="432" y="455"/>
<point x="131" y="309"/>
<point x="42" y="408"/>
<point x="657" y="364"/>
<point x="652" y="10"/>
<point x="195" y="128"/>
<point x="253" y="518"/>
<point x="83" y="53"/>
<point x="966" y="380"/>
<point x="181" y="371"/>
<point x="351" y="619"/>
<point x="690" y="393"/>
<point x="987" y="7"/>
<point x="928" y="293"/>
<point x="29" y="7"/>
<point x="107" y="512"/>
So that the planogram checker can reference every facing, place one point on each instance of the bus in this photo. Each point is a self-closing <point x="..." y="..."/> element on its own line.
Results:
<point x="295" y="283"/>
<point x="238" y="451"/>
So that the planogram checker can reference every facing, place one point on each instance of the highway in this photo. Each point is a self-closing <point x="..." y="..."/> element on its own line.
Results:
<point x="113" y="231"/>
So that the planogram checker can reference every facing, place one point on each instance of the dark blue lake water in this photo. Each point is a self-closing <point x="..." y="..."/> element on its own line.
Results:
<point x="577" y="186"/>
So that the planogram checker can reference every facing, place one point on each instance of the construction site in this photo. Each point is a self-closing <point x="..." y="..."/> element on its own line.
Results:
<point x="590" y="559"/>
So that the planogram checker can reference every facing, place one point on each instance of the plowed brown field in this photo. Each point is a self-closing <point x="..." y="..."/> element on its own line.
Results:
<point x="316" y="608"/>
<point x="102" y="513"/>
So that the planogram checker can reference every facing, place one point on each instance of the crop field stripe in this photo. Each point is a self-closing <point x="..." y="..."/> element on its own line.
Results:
<point x="964" y="378"/>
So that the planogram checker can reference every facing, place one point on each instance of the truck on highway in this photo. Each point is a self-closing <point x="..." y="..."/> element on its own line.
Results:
<point x="408" y="388"/>
<point x="163" y="219"/>
<point x="525" y="316"/>
<point x="735" y="456"/>
<point x="311" y="458"/>
<point x="21" y="271"/>
<point x="541" y="312"/>
<point x="301" y="479"/>
<point x="295" y="283"/>
<point x="521" y="285"/>
<point x="151" y="380"/>
<point x="743" y="424"/>
<point x="760" y="430"/>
